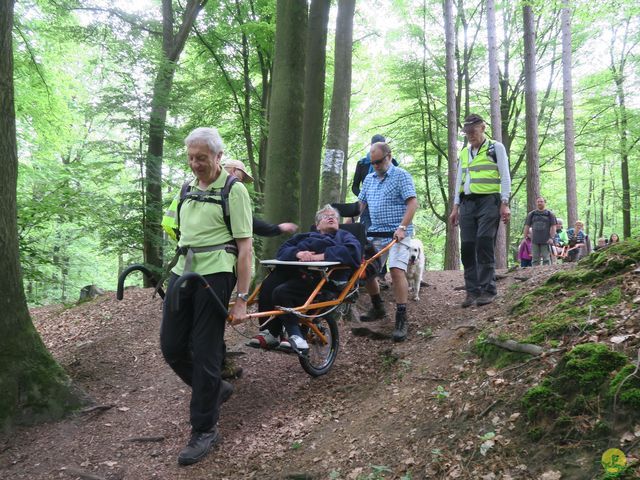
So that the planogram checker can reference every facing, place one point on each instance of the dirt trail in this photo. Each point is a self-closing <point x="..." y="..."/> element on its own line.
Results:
<point x="411" y="410"/>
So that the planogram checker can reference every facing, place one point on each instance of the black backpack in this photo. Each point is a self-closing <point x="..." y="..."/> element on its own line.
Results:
<point x="208" y="196"/>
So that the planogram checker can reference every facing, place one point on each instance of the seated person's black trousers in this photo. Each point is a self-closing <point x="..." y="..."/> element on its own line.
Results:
<point x="286" y="287"/>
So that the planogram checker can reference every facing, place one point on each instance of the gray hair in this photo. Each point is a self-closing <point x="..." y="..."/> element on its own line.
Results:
<point x="326" y="208"/>
<point x="207" y="136"/>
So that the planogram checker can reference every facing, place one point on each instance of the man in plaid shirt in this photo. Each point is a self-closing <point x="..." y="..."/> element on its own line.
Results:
<point x="389" y="195"/>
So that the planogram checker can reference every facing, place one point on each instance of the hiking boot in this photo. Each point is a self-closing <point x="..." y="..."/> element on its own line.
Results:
<point x="230" y="370"/>
<point x="469" y="300"/>
<point x="199" y="445"/>
<point x="485" y="298"/>
<point x="374" y="313"/>
<point x="226" y="390"/>
<point x="401" y="328"/>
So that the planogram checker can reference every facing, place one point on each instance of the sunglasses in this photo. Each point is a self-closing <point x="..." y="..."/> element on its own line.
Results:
<point x="378" y="162"/>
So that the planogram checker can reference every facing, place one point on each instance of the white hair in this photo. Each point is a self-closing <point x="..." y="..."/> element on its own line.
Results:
<point x="205" y="135"/>
<point x="326" y="208"/>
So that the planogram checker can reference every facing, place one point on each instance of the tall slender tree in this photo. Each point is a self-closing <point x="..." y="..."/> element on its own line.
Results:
<point x="284" y="148"/>
<point x="531" y="106"/>
<point x="452" y="252"/>
<point x="338" y="134"/>
<point x="620" y="36"/>
<point x="496" y="117"/>
<point x="34" y="387"/>
<point x="172" y="46"/>
<point x="569" y="130"/>
<point x="313" y="109"/>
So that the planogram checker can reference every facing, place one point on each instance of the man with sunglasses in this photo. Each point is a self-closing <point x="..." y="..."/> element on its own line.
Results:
<point x="389" y="195"/>
<point x="482" y="199"/>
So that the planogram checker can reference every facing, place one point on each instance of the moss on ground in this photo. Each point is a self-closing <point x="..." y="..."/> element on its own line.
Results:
<point x="585" y="368"/>
<point x="629" y="393"/>
<point x="542" y="402"/>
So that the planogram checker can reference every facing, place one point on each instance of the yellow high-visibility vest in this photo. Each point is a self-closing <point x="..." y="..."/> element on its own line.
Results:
<point x="483" y="173"/>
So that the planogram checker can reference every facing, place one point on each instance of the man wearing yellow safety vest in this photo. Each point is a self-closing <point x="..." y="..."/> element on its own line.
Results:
<point x="482" y="199"/>
<point x="212" y="219"/>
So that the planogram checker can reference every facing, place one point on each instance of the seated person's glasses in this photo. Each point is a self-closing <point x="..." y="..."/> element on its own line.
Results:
<point x="328" y="217"/>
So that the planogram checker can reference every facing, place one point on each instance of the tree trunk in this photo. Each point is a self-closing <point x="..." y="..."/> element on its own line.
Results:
<point x="617" y="69"/>
<point x="34" y="387"/>
<point x="312" y="124"/>
<point x="338" y="134"/>
<point x="452" y="251"/>
<point x="496" y="117"/>
<point x="569" y="131"/>
<point x="172" y="46"/>
<point x="531" y="108"/>
<point x="284" y="148"/>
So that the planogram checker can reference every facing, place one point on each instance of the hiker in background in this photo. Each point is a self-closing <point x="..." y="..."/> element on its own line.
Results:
<point x="212" y="220"/>
<point x="578" y="242"/>
<point x="560" y="241"/>
<point x="390" y="197"/>
<point x="614" y="238"/>
<point x="600" y="244"/>
<point x="541" y="225"/>
<point x="364" y="168"/>
<point x="260" y="227"/>
<point x="524" y="253"/>
<point x="482" y="200"/>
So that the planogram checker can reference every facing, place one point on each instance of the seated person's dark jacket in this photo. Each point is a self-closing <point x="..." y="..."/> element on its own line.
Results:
<point x="340" y="246"/>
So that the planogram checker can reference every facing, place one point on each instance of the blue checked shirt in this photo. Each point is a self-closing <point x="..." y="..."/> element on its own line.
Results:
<point x="386" y="199"/>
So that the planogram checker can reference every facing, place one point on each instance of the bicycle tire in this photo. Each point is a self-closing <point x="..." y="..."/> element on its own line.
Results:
<point x="321" y="358"/>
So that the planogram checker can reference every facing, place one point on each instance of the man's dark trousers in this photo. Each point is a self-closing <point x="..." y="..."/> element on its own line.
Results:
<point x="479" y="219"/>
<point x="192" y="343"/>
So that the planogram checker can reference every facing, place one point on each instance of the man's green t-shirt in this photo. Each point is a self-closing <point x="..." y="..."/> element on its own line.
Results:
<point x="202" y="225"/>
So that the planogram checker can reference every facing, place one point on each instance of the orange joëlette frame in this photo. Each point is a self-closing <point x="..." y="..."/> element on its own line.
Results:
<point x="308" y="304"/>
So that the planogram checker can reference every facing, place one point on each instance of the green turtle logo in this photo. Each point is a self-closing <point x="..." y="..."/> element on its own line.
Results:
<point x="613" y="460"/>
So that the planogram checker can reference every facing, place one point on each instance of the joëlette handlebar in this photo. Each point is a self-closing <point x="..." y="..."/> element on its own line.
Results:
<point x="145" y="271"/>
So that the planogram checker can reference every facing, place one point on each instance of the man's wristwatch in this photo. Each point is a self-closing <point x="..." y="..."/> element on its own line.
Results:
<point x="402" y="227"/>
<point x="243" y="296"/>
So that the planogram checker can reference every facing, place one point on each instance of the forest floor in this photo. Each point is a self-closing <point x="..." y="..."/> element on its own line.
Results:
<point x="425" y="408"/>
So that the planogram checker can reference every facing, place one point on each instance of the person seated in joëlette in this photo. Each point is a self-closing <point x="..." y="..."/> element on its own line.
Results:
<point x="290" y="286"/>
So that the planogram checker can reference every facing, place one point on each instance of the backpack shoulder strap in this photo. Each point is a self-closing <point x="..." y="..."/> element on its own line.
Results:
<point x="224" y="196"/>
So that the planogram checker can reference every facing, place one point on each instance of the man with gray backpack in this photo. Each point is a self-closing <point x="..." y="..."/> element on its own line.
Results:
<point x="541" y="224"/>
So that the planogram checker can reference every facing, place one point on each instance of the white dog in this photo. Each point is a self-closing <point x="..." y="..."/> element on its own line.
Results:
<point x="415" y="269"/>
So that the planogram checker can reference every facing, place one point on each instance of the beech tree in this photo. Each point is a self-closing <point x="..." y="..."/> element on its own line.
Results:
<point x="34" y="387"/>
<point x="312" y="125"/>
<point x="172" y="46"/>
<point x="569" y="130"/>
<point x="452" y="254"/>
<point x="338" y="135"/>
<point x="284" y="147"/>
<point x="496" y="117"/>
<point x="531" y="107"/>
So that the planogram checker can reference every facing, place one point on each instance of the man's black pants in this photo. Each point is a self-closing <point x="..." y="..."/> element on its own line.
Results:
<point x="479" y="219"/>
<point x="192" y="343"/>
